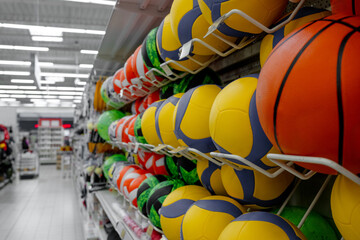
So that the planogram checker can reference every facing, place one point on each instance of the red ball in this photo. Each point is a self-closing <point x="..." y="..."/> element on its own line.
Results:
<point x="120" y="128"/>
<point x="159" y="164"/>
<point x="153" y="97"/>
<point x="116" y="80"/>
<point x="123" y="172"/>
<point x="128" y="178"/>
<point x="146" y="159"/>
<point x="308" y="91"/>
<point x="130" y="130"/>
<point x="133" y="61"/>
<point x="351" y="7"/>
<point x="133" y="187"/>
<point x="125" y="133"/>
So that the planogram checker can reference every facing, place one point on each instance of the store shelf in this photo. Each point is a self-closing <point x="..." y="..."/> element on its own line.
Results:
<point x="115" y="213"/>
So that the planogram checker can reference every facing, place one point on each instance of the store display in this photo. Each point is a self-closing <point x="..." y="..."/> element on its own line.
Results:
<point x="272" y="227"/>
<point x="315" y="226"/>
<point x="122" y="129"/>
<point x="164" y="121"/>
<point x="105" y="121"/>
<point x="132" y="189"/>
<point x="299" y="123"/>
<point x="187" y="170"/>
<point x="124" y="171"/>
<point x="218" y="211"/>
<point x="255" y="190"/>
<point x="148" y="123"/>
<point x="187" y="22"/>
<point x="304" y="16"/>
<point x="345" y="6"/>
<point x="110" y="161"/>
<point x="144" y="191"/>
<point x="191" y="121"/>
<point x="210" y="176"/>
<point x="168" y="46"/>
<point x="234" y="123"/>
<point x="156" y="198"/>
<point x="345" y="198"/>
<point x="129" y="178"/>
<point x="264" y="11"/>
<point x="175" y="206"/>
<point x="129" y="131"/>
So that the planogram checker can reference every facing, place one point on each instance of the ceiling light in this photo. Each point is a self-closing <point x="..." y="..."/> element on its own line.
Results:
<point x="27" y="87"/>
<point x="24" y="48"/>
<point x="53" y="100"/>
<point x="22" y="81"/>
<point x="70" y="75"/>
<point x="55" y="79"/>
<point x="28" y="104"/>
<point x="47" y="82"/>
<point x="18" y="96"/>
<point x="8" y="99"/>
<point x="36" y="96"/>
<point x="21" y="63"/>
<point x="46" y="64"/>
<point x="50" y="31"/>
<point x="66" y="97"/>
<point x="15" y="73"/>
<point x="48" y="97"/>
<point x="4" y="95"/>
<point x="102" y="2"/>
<point x="8" y="87"/>
<point x="47" y="39"/>
<point x="80" y="83"/>
<point x="12" y="91"/>
<point x="86" y="65"/>
<point x="89" y="51"/>
<point x="77" y="101"/>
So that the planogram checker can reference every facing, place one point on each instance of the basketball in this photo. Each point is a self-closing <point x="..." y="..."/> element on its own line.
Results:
<point x="187" y="22"/>
<point x="144" y="190"/>
<point x="156" y="198"/>
<point x="305" y="15"/>
<point x="164" y="121"/>
<point x="351" y="7"/>
<point x="168" y="46"/>
<point x="210" y="176"/>
<point x="255" y="190"/>
<point x="175" y="206"/>
<point x="148" y="125"/>
<point x="261" y="225"/>
<point x="192" y="118"/>
<point x="234" y="124"/>
<point x="345" y="202"/>
<point x="208" y="217"/>
<point x="264" y="11"/>
<point x="289" y="85"/>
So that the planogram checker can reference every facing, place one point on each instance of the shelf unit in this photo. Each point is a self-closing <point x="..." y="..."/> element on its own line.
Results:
<point x="50" y="140"/>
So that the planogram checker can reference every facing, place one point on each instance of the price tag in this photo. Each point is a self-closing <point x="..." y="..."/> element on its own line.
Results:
<point x="122" y="235"/>
<point x="149" y="230"/>
<point x="185" y="49"/>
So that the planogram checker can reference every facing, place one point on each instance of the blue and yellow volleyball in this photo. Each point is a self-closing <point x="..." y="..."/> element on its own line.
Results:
<point x="187" y="22"/>
<point x="261" y="225"/>
<point x="255" y="190"/>
<point x="191" y="122"/>
<point x="210" y="176"/>
<point x="148" y="124"/>
<point x="164" y="121"/>
<point x="264" y="11"/>
<point x="234" y="124"/>
<point x="208" y="217"/>
<point x="168" y="46"/>
<point x="305" y="15"/>
<point x="345" y="207"/>
<point x="175" y="206"/>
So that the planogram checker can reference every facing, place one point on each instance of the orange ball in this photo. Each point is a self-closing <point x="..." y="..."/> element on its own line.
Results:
<point x="345" y="6"/>
<point x="308" y="93"/>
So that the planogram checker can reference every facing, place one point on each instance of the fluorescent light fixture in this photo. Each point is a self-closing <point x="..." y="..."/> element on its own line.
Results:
<point x="47" y="82"/>
<point x="50" y="97"/>
<point x="80" y="83"/>
<point x="4" y="95"/>
<point x="18" y="96"/>
<point x="70" y="75"/>
<point x="78" y="97"/>
<point x="36" y="96"/>
<point x="8" y="99"/>
<point x="15" y="73"/>
<point x="8" y="87"/>
<point x="50" y="31"/>
<point x="12" y="91"/>
<point x="84" y="51"/>
<point x="77" y="101"/>
<point x="46" y="39"/>
<point x="21" y="63"/>
<point x="101" y="2"/>
<point x="24" y="48"/>
<point x="66" y="97"/>
<point x="53" y="100"/>
<point x="86" y="65"/>
<point x="22" y="81"/>
<point x="28" y="105"/>
<point x="65" y="88"/>
<point x="55" y="79"/>
<point x="27" y="87"/>
<point x="46" y="64"/>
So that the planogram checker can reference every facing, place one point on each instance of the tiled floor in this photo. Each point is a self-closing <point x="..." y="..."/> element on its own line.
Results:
<point x="40" y="208"/>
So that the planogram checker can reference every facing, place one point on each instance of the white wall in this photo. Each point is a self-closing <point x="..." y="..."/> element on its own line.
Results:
<point x="8" y="117"/>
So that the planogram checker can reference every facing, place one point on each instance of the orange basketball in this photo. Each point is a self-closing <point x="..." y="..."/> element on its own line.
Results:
<point x="308" y="93"/>
<point x="345" y="6"/>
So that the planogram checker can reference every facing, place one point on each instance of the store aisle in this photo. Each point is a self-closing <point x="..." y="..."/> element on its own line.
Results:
<point x="41" y="208"/>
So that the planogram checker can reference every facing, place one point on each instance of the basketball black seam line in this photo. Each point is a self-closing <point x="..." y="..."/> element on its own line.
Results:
<point x="298" y="55"/>
<point x="342" y="23"/>
<point x="353" y="7"/>
<point x="300" y="30"/>
<point x="339" y="95"/>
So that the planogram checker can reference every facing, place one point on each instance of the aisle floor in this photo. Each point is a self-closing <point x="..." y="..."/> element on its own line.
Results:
<point x="40" y="208"/>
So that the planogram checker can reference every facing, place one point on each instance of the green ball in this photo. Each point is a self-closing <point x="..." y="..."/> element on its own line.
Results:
<point x="167" y="91"/>
<point x="110" y="161"/>
<point x="137" y="129"/>
<point x="171" y="165"/>
<point x="144" y="191"/>
<point x="316" y="227"/>
<point x="157" y="197"/>
<point x="188" y="172"/>
<point x="206" y="76"/>
<point x="105" y="120"/>
<point x="150" y="53"/>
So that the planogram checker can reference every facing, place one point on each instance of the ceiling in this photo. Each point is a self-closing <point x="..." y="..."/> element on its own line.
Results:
<point x="74" y="22"/>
